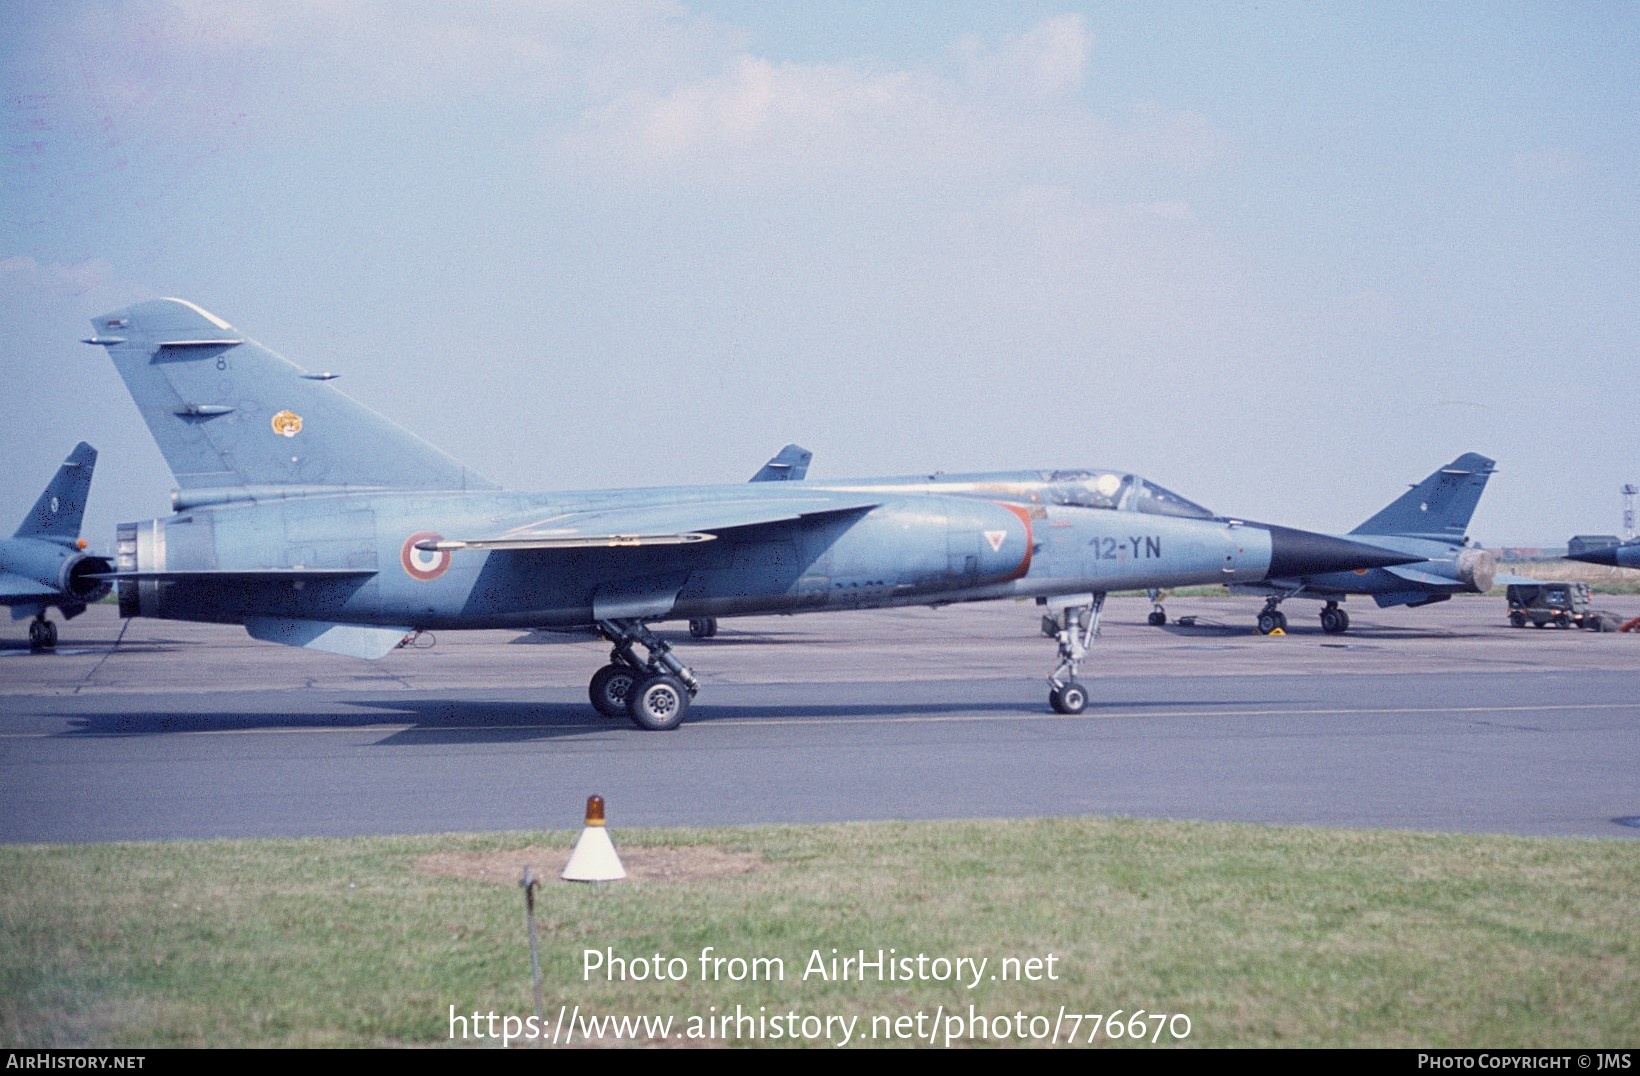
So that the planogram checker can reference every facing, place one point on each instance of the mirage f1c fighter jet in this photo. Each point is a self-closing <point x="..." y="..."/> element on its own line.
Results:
<point x="1428" y="524"/>
<point x="1624" y="555"/>
<point x="45" y="564"/>
<point x="315" y="522"/>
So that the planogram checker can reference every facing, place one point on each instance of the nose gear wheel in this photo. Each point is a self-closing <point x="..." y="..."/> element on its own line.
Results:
<point x="1078" y="629"/>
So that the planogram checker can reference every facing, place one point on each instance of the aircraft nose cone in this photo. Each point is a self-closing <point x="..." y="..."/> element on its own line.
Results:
<point x="1296" y="552"/>
<point x="1606" y="556"/>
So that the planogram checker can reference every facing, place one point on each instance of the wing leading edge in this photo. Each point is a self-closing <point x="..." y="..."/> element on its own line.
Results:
<point x="655" y="524"/>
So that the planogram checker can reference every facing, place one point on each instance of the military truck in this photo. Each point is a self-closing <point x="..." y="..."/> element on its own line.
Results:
<point x="1564" y="605"/>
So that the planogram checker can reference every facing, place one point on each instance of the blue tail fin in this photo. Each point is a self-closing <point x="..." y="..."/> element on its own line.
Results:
<point x="1439" y="507"/>
<point x="231" y="416"/>
<point x="58" y="512"/>
<point x="790" y="464"/>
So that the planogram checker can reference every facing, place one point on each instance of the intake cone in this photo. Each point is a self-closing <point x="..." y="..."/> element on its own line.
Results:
<point x="1295" y="552"/>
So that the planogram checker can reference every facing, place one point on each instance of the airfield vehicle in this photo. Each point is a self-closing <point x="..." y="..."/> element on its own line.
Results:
<point x="1564" y="605"/>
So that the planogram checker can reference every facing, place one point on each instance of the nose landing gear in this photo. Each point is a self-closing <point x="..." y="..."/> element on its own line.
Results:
<point x="1078" y="630"/>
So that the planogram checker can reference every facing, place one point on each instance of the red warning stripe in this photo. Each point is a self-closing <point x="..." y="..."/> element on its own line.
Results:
<point x="1024" y="515"/>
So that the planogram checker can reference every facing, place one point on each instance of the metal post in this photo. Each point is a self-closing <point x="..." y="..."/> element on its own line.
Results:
<point x="529" y="882"/>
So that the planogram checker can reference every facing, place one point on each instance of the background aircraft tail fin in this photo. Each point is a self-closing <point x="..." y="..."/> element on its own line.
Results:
<point x="790" y="464"/>
<point x="227" y="413"/>
<point x="58" y="512"/>
<point x="1440" y="506"/>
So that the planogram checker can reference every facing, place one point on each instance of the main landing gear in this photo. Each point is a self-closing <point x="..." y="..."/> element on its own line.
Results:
<point x="1158" y="614"/>
<point x="42" y="633"/>
<point x="653" y="692"/>
<point x="1076" y="634"/>
<point x="1334" y="621"/>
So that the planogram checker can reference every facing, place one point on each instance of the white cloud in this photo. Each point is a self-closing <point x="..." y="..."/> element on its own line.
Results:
<point x="760" y="114"/>
<point x="25" y="276"/>
<point x="1011" y="114"/>
<point x="645" y="90"/>
<point x="380" y="51"/>
<point x="1048" y="60"/>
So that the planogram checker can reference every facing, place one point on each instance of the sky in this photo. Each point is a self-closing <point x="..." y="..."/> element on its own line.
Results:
<point x="1283" y="258"/>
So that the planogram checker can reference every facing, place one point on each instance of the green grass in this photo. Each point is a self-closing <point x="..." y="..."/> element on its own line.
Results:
<point x="1262" y="936"/>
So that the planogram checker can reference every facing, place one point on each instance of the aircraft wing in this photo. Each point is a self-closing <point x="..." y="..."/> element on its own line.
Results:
<point x="1412" y="574"/>
<point x="654" y="524"/>
<point x="16" y="588"/>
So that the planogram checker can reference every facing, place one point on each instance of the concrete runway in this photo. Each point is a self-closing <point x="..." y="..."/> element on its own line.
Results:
<point x="1441" y="718"/>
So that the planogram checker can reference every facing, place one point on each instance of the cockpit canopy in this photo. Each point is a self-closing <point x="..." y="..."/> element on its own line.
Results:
<point x="1121" y="492"/>
<point x="1115" y="491"/>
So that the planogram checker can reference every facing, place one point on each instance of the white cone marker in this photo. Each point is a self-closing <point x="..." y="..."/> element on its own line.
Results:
<point x="594" y="858"/>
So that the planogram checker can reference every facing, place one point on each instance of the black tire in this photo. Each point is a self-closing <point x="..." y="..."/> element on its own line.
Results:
<point x="703" y="627"/>
<point x="1070" y="699"/>
<point x="1157" y="618"/>
<point x="1335" y="621"/>
<point x="658" y="703"/>
<point x="1517" y="620"/>
<point x="609" y="689"/>
<point x="1268" y="622"/>
<point x="42" y="635"/>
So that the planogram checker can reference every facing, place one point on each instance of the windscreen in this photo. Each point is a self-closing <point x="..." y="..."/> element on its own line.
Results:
<point x="1120" y="492"/>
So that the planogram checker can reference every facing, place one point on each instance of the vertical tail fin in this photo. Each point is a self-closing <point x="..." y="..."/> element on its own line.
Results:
<point x="790" y="464"/>
<point x="58" y="512"/>
<point x="230" y="415"/>
<point x="1440" y="506"/>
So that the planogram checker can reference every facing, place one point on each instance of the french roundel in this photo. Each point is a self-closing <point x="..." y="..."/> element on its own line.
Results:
<point x="423" y="564"/>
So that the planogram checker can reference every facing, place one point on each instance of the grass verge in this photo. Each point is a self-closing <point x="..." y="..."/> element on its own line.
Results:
<point x="1262" y="936"/>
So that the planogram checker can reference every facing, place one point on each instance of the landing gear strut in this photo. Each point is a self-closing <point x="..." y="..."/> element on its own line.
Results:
<point x="1076" y="634"/>
<point x="1334" y="621"/>
<point x="653" y="692"/>
<point x="42" y="633"/>
<point x="1271" y="617"/>
<point x="1158" y="615"/>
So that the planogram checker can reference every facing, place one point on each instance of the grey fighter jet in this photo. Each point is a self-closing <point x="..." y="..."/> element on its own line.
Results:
<point x="315" y="522"/>
<point x="45" y="564"/>
<point x="1624" y="555"/>
<point x="1428" y="524"/>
